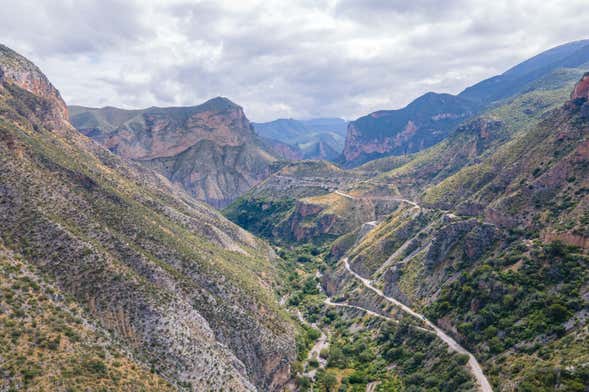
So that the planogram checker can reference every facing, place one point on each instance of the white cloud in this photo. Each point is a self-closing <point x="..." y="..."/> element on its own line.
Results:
<point x="280" y="59"/>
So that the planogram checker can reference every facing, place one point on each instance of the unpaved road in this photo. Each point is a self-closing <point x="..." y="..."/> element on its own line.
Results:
<point x="329" y="302"/>
<point x="371" y="387"/>
<point x="386" y="198"/>
<point x="473" y="364"/>
<point x="370" y="312"/>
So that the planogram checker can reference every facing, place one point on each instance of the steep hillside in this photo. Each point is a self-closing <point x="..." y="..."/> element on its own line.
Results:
<point x="496" y="253"/>
<point x="432" y="117"/>
<point x="297" y="203"/>
<point x="476" y="138"/>
<point x="210" y="150"/>
<point x="47" y="343"/>
<point x="300" y="183"/>
<point x="320" y="138"/>
<point x="421" y="124"/>
<point x="485" y="233"/>
<point x="182" y="289"/>
<point x="515" y="80"/>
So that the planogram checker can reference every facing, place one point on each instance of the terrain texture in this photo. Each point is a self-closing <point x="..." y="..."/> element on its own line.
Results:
<point x="432" y="117"/>
<point x="210" y="150"/>
<point x="177" y="295"/>
<point x="320" y="138"/>
<point x="483" y="236"/>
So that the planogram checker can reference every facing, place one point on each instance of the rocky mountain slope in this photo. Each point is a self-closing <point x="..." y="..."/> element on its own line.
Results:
<point x="297" y="203"/>
<point x="47" y="343"/>
<point x="210" y="150"/>
<point x="486" y="233"/>
<point x="320" y="138"/>
<point x="181" y="290"/>
<point x="495" y="253"/>
<point x="432" y="117"/>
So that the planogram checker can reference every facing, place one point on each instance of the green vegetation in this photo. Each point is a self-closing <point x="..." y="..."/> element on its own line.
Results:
<point x="424" y="362"/>
<point x="259" y="215"/>
<point x="363" y="349"/>
<point x="527" y="295"/>
<point x="136" y="253"/>
<point x="47" y="344"/>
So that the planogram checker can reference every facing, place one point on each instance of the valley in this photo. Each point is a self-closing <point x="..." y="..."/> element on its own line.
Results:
<point x="402" y="240"/>
<point x="439" y="247"/>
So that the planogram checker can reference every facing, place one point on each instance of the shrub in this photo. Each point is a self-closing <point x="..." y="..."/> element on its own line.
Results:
<point x="96" y="366"/>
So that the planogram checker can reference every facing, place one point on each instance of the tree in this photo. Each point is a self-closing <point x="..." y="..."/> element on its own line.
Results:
<point x="558" y="313"/>
<point x="337" y="357"/>
<point x="330" y="382"/>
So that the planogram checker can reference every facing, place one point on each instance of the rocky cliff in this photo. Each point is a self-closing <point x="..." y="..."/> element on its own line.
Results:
<point x="423" y="123"/>
<point x="581" y="90"/>
<point x="182" y="290"/>
<point x="210" y="150"/>
<point x="17" y="70"/>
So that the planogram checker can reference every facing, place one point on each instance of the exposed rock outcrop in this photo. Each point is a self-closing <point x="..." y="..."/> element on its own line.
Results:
<point x="475" y="239"/>
<point x="422" y="123"/>
<point x="581" y="90"/>
<point x="178" y="285"/>
<point x="211" y="150"/>
<point x="17" y="70"/>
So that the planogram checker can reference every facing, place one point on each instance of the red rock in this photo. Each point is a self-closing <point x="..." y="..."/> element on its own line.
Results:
<point x="581" y="89"/>
<point x="17" y="70"/>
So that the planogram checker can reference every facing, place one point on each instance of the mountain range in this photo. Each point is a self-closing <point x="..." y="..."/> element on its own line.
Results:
<point x="485" y="234"/>
<point x="210" y="150"/>
<point x="319" y="138"/>
<point x="116" y="278"/>
<point x="432" y="117"/>
<point x="184" y="248"/>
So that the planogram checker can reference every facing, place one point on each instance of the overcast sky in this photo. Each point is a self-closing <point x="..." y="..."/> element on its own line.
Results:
<point x="291" y="58"/>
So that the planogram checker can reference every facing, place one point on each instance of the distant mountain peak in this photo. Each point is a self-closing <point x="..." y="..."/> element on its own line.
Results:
<point x="430" y="118"/>
<point x="220" y="103"/>
<point x="315" y="138"/>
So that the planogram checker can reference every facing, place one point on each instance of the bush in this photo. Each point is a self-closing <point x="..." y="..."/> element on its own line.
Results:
<point x="313" y="334"/>
<point x="96" y="366"/>
<point x="558" y="313"/>
<point x="357" y="378"/>
<point x="462" y="359"/>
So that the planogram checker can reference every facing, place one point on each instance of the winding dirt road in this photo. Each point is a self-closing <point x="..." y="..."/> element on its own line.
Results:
<point x="386" y="198"/>
<point x="473" y="364"/>
<point x="329" y="302"/>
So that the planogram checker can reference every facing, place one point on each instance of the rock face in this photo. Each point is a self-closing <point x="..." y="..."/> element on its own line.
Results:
<point x="432" y="117"/>
<point x="424" y="122"/>
<point x="179" y="286"/>
<point x="475" y="239"/>
<point x="210" y="150"/>
<point x="581" y="90"/>
<point x="284" y="151"/>
<point x="17" y="70"/>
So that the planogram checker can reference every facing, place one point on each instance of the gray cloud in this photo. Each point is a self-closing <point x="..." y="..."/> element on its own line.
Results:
<point x="299" y="58"/>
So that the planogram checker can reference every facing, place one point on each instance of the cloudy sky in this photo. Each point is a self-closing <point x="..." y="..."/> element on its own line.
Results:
<point x="289" y="58"/>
